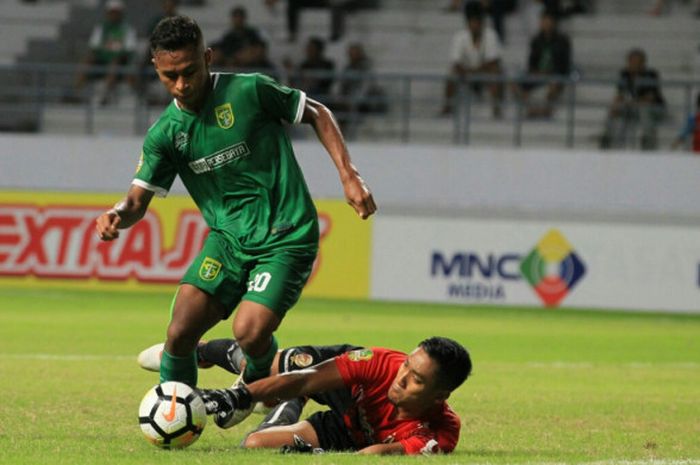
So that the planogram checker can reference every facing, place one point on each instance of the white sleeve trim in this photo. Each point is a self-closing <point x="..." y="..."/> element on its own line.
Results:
<point x="159" y="191"/>
<point x="300" y="107"/>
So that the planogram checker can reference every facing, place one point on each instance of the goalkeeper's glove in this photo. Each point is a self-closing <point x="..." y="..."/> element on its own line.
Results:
<point x="229" y="406"/>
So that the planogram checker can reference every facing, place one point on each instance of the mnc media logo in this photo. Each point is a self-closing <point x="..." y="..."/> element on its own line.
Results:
<point x="552" y="268"/>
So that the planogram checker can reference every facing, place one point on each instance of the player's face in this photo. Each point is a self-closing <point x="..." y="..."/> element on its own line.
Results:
<point x="547" y="24"/>
<point x="185" y="74"/>
<point x="475" y="26"/>
<point x="414" y="387"/>
<point x="635" y="62"/>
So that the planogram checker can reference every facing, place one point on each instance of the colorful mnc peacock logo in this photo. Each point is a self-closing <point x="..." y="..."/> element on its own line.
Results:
<point x="552" y="268"/>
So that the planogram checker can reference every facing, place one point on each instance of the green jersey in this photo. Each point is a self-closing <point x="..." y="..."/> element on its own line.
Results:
<point x="236" y="161"/>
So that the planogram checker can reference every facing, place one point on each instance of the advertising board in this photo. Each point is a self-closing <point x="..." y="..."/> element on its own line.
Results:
<point x="49" y="238"/>
<point x="548" y="263"/>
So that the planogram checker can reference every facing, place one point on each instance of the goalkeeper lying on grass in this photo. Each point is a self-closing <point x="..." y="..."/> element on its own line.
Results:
<point x="381" y="401"/>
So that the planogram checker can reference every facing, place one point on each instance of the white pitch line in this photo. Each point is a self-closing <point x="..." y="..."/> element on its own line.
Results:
<point x="613" y="462"/>
<point x="578" y="365"/>
<point x="553" y="364"/>
<point x="67" y="357"/>
<point x="645" y="462"/>
<point x="631" y="462"/>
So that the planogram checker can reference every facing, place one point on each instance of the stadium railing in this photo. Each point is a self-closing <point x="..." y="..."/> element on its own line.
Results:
<point x="398" y="107"/>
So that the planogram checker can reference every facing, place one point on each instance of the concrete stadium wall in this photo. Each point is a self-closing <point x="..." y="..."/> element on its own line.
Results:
<point x="516" y="227"/>
<point x="629" y="186"/>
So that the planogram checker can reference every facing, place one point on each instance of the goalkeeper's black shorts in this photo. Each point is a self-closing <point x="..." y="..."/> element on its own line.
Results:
<point x="328" y="424"/>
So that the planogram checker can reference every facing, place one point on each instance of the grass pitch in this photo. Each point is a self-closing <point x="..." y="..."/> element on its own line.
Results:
<point x="549" y="386"/>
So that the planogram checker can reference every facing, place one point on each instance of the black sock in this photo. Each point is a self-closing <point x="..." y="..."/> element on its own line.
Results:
<point x="225" y="353"/>
<point x="286" y="413"/>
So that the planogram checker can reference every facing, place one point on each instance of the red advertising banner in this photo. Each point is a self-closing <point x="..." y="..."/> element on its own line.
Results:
<point x="50" y="238"/>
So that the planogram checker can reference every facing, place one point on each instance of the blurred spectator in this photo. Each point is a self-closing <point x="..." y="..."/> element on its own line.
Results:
<point x="146" y="75"/>
<point x="455" y="5"/>
<point x="254" y="58"/>
<point x="476" y="50"/>
<point x="550" y="55"/>
<point x="356" y="79"/>
<point x="338" y="9"/>
<point x="691" y="128"/>
<point x="573" y="7"/>
<point x="662" y="6"/>
<point x="658" y="7"/>
<point x="227" y="49"/>
<point x="497" y="9"/>
<point x="552" y="7"/>
<point x="112" y="45"/>
<point x="638" y="104"/>
<point x="564" y="8"/>
<point x="314" y="75"/>
<point x="358" y="92"/>
<point x="168" y="9"/>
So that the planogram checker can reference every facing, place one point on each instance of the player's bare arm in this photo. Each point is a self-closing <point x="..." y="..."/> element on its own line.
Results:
<point x="393" y="448"/>
<point x="322" y="377"/>
<point x="124" y="214"/>
<point x="357" y="193"/>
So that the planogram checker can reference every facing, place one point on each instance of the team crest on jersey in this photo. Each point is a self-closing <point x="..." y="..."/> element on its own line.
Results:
<point x="224" y="116"/>
<point x="140" y="163"/>
<point x="360" y="355"/>
<point x="302" y="360"/>
<point x="210" y="269"/>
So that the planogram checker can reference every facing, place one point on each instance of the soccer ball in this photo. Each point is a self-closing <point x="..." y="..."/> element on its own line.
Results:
<point x="172" y="415"/>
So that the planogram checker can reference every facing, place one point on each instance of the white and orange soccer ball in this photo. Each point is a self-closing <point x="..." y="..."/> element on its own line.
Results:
<point x="172" y="415"/>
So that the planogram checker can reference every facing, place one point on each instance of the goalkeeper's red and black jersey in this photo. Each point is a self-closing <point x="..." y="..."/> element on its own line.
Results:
<point x="370" y="418"/>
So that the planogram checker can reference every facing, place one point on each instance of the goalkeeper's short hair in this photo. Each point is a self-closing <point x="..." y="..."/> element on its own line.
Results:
<point x="452" y="358"/>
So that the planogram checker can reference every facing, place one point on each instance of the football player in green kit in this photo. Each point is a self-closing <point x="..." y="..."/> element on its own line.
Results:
<point x="223" y="135"/>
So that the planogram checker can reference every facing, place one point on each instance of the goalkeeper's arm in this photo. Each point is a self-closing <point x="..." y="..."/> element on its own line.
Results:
<point x="322" y="377"/>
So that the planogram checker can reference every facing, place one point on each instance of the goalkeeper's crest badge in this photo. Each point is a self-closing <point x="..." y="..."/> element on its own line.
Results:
<point x="224" y="116"/>
<point x="210" y="269"/>
<point x="360" y="355"/>
<point x="302" y="360"/>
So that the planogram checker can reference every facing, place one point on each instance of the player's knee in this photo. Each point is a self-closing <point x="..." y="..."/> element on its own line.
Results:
<point x="253" y="340"/>
<point x="254" y="441"/>
<point x="253" y="327"/>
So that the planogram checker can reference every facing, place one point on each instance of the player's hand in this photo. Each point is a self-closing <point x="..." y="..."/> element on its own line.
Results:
<point x="359" y="196"/>
<point x="106" y="225"/>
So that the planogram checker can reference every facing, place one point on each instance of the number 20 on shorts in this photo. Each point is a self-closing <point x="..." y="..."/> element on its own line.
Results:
<point x="259" y="282"/>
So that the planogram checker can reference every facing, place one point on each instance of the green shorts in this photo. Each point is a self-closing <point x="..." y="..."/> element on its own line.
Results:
<point x="274" y="279"/>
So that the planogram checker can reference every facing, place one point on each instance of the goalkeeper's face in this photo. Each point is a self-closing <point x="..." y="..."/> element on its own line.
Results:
<point x="415" y="386"/>
<point x="185" y="74"/>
